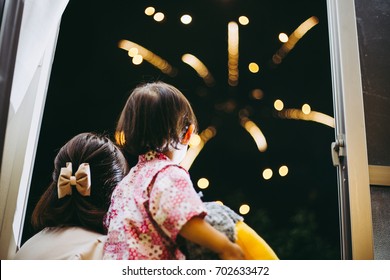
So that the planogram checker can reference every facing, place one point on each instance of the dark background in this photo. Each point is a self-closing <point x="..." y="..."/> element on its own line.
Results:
<point x="91" y="79"/>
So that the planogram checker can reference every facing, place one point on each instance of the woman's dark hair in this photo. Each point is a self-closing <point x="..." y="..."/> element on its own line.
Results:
<point x="107" y="168"/>
<point x="156" y="116"/>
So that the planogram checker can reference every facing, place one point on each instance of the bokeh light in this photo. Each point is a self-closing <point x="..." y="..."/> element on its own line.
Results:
<point x="137" y="59"/>
<point x="306" y="109"/>
<point x="283" y="170"/>
<point x="278" y="105"/>
<point x="243" y="20"/>
<point x="195" y="140"/>
<point x="159" y="16"/>
<point x="283" y="37"/>
<point x="133" y="52"/>
<point x="257" y="94"/>
<point x="149" y="11"/>
<point x="203" y="183"/>
<point x="244" y="209"/>
<point x="267" y="173"/>
<point x="253" y="67"/>
<point x="186" y="19"/>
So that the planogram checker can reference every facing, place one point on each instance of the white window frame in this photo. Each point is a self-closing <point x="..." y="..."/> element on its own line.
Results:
<point x="24" y="125"/>
<point x="350" y="128"/>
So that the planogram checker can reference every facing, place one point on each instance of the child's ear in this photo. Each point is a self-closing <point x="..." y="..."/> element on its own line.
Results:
<point x="188" y="134"/>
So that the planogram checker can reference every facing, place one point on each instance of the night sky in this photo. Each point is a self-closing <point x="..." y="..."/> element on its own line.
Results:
<point x="91" y="79"/>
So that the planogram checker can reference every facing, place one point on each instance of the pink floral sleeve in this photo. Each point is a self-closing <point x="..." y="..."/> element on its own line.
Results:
<point x="173" y="200"/>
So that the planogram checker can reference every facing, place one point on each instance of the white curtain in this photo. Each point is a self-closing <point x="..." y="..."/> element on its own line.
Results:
<point x="37" y="40"/>
<point x="40" y="21"/>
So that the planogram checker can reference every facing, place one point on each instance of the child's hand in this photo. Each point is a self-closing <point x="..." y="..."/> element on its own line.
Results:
<point x="232" y="252"/>
<point x="202" y="233"/>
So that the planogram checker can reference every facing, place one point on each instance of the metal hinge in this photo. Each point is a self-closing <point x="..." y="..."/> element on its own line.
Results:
<point x="338" y="150"/>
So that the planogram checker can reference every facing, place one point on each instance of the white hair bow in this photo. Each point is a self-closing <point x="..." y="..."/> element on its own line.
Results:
<point x="81" y="180"/>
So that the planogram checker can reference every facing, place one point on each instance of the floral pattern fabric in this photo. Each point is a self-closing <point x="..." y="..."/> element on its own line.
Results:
<point x="143" y="225"/>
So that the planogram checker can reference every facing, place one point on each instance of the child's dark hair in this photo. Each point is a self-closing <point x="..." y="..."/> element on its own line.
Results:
<point x="155" y="117"/>
<point x="107" y="168"/>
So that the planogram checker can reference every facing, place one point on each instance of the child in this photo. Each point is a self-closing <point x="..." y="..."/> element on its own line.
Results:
<point x="156" y="202"/>
<point x="70" y="213"/>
